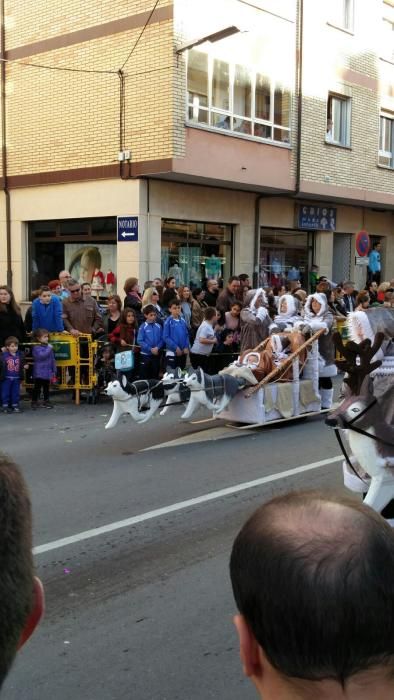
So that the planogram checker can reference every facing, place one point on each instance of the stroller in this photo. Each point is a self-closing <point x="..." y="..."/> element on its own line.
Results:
<point x="105" y="371"/>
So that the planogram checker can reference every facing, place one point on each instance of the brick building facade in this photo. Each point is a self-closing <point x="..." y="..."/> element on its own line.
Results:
<point x="229" y="138"/>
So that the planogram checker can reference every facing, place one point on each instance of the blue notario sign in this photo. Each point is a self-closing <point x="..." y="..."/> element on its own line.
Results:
<point x="127" y="228"/>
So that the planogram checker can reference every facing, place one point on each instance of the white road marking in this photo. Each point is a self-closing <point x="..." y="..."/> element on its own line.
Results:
<point x="181" y="505"/>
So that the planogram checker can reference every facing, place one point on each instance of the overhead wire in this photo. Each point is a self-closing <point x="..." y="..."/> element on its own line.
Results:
<point x="140" y="35"/>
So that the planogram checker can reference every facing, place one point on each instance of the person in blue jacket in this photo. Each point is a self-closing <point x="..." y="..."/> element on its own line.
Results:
<point x="150" y="340"/>
<point x="47" y="312"/>
<point x="176" y="337"/>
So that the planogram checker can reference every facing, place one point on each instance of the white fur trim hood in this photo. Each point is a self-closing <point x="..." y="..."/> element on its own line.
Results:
<point x="322" y="299"/>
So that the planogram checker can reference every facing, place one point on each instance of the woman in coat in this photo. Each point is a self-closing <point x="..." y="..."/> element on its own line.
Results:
<point x="11" y="322"/>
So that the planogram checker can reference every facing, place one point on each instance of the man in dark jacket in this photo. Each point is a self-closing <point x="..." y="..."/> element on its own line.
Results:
<point x="227" y="298"/>
<point x="212" y="293"/>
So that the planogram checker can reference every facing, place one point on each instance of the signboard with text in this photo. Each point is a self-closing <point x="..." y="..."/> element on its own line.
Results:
<point x="127" y="228"/>
<point x="317" y="218"/>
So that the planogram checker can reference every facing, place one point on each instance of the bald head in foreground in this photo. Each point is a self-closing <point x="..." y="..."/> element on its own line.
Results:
<point x="313" y="580"/>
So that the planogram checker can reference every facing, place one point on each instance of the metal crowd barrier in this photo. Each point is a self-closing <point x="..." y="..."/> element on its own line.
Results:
<point x="75" y="358"/>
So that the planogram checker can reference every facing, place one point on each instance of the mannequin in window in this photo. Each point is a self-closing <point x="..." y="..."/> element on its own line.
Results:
<point x="213" y="267"/>
<point x="176" y="272"/>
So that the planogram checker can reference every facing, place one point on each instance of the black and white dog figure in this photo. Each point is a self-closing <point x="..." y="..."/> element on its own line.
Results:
<point x="141" y="399"/>
<point x="213" y="391"/>
<point x="175" y="389"/>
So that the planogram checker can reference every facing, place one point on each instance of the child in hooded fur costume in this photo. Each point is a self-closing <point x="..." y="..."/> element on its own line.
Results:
<point x="255" y="320"/>
<point x="288" y="315"/>
<point x="317" y="316"/>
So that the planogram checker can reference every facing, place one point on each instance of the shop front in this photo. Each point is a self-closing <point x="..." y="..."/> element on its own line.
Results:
<point x="193" y="252"/>
<point x="85" y="247"/>
<point x="285" y="256"/>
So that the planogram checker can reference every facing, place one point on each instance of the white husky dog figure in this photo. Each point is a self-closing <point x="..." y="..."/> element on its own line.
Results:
<point x="131" y="398"/>
<point x="174" y="388"/>
<point x="213" y="391"/>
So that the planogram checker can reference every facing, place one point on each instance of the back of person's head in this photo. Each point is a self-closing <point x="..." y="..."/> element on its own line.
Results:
<point x="209" y="313"/>
<point x="313" y="579"/>
<point x="21" y="595"/>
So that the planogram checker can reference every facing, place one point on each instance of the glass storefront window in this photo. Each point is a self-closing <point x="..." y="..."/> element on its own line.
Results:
<point x="80" y="245"/>
<point x="285" y="256"/>
<point x="194" y="251"/>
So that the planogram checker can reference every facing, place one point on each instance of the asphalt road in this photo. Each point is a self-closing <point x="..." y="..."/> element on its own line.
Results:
<point x="144" y="610"/>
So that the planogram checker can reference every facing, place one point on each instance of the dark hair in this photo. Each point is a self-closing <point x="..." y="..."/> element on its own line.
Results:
<point x="237" y="303"/>
<point x="149" y="309"/>
<point x="313" y="575"/>
<point x="117" y="299"/>
<point x="362" y="297"/>
<point x="12" y="303"/>
<point x="167" y="281"/>
<point x="174" y="302"/>
<point x="16" y="561"/>
<point x="9" y="340"/>
<point x="129" y="284"/>
<point x="168" y="295"/>
<point x="196" y="291"/>
<point x="243" y="277"/>
<point x="209" y="313"/>
<point x="123" y="316"/>
<point x="44" y="288"/>
<point x="39" y="332"/>
<point x="233" y="278"/>
<point x="225" y="333"/>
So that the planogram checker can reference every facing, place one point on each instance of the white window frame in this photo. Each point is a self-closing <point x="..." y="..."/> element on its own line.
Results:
<point x="235" y="118"/>
<point x="381" y="153"/>
<point x="342" y="15"/>
<point x="345" y="119"/>
<point x="388" y="18"/>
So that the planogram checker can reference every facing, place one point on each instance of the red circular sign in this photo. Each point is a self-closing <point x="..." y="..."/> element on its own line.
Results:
<point x="363" y="243"/>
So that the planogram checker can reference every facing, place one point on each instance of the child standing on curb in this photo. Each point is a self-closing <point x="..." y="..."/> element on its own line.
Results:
<point x="11" y="373"/>
<point x="176" y="337"/>
<point x="44" y="367"/>
<point x="205" y="341"/>
<point x="150" y="340"/>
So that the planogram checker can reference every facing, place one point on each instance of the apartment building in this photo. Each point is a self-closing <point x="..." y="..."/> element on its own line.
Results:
<point x="253" y="136"/>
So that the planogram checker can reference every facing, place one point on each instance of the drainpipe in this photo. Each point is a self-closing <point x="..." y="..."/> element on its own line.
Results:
<point x="4" y="147"/>
<point x="299" y="56"/>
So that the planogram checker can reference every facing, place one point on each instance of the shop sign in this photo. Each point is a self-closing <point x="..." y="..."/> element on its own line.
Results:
<point x="127" y="228"/>
<point x="363" y="243"/>
<point x="362" y="260"/>
<point x="317" y="218"/>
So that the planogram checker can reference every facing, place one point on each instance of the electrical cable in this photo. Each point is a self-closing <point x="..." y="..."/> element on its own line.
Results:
<point x="58" y="68"/>
<point x="140" y="34"/>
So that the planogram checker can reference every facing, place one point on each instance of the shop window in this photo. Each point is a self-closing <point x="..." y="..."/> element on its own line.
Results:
<point x="386" y="141"/>
<point x="236" y="98"/>
<point x="338" y="120"/>
<point x="79" y="245"/>
<point x="285" y="257"/>
<point x="342" y="14"/>
<point x="194" y="251"/>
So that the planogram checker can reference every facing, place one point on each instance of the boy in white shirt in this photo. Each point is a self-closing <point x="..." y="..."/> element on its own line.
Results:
<point x="204" y="341"/>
